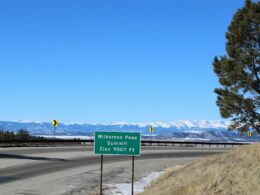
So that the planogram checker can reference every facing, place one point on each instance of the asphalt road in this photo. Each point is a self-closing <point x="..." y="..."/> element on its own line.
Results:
<point x="46" y="165"/>
<point x="39" y="150"/>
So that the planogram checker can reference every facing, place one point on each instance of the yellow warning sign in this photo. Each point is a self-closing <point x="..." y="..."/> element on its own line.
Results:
<point x="55" y="123"/>
<point x="151" y="129"/>
<point x="249" y="133"/>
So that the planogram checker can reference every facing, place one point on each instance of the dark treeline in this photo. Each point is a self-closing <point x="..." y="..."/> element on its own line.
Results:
<point x="18" y="135"/>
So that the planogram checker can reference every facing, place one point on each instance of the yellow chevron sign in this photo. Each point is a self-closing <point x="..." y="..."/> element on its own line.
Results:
<point x="151" y="129"/>
<point x="55" y="123"/>
<point x="249" y="133"/>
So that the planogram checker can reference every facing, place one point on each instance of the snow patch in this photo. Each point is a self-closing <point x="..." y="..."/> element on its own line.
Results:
<point x="67" y="137"/>
<point x="139" y="186"/>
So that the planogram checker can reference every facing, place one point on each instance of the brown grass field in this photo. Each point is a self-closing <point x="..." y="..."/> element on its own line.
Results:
<point x="236" y="172"/>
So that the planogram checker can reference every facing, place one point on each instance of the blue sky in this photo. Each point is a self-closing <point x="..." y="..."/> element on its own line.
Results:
<point x="100" y="61"/>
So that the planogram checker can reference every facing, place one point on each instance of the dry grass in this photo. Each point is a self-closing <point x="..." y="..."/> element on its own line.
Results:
<point x="236" y="172"/>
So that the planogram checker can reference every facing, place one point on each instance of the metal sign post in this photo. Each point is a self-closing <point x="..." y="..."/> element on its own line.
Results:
<point x="151" y="131"/>
<point x="101" y="174"/>
<point x="133" y="174"/>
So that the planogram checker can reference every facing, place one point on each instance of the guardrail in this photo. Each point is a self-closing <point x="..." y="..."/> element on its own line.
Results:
<point x="8" y="143"/>
<point x="191" y="143"/>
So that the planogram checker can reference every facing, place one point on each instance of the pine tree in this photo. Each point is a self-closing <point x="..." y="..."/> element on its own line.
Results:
<point x="22" y="134"/>
<point x="239" y="70"/>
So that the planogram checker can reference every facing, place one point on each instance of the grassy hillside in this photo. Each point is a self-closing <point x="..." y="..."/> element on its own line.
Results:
<point x="236" y="172"/>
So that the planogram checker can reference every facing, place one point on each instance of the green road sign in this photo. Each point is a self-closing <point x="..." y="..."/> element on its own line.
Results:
<point x="120" y="143"/>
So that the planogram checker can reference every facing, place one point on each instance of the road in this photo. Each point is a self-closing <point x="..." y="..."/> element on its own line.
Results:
<point x="45" y="164"/>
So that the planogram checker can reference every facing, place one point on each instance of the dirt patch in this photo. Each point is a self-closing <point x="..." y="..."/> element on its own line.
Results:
<point x="236" y="172"/>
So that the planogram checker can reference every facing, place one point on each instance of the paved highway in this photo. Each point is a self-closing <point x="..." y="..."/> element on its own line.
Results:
<point x="24" y="164"/>
<point x="39" y="150"/>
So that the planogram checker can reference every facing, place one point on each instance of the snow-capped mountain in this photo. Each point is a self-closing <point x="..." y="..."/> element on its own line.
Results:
<point x="183" y="124"/>
<point x="184" y="129"/>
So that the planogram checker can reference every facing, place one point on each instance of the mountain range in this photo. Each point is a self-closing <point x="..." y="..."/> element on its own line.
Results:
<point x="203" y="130"/>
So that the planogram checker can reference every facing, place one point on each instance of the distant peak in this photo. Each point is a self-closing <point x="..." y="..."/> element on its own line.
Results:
<point x="180" y="124"/>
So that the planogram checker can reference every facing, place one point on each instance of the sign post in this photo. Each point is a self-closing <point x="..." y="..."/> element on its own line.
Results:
<point x="133" y="174"/>
<point x="117" y="143"/>
<point x="54" y="124"/>
<point x="151" y="131"/>
<point x="101" y="174"/>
